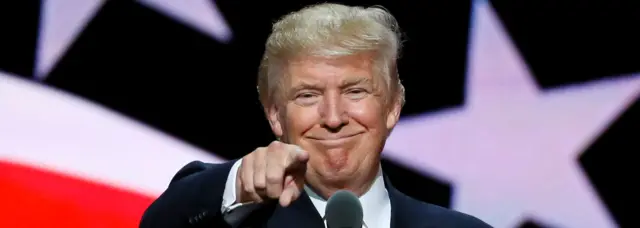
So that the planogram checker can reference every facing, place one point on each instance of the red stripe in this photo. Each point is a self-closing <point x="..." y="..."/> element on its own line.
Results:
<point x="32" y="197"/>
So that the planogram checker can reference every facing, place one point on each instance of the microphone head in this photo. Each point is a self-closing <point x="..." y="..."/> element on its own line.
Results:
<point x="343" y="210"/>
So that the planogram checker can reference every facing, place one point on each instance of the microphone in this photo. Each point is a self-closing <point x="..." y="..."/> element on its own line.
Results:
<point x="343" y="210"/>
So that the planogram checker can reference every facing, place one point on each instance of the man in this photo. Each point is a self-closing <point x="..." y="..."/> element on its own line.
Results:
<point x="331" y="93"/>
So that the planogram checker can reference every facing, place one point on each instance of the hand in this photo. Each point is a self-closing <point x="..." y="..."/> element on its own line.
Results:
<point x="273" y="172"/>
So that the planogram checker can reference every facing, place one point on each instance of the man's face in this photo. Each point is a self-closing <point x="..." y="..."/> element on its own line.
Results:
<point x="333" y="109"/>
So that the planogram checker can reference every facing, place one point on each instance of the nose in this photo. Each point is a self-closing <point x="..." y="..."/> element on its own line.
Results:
<point x="333" y="113"/>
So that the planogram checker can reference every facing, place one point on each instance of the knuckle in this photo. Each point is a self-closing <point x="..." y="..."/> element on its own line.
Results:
<point x="259" y="183"/>
<point x="248" y="189"/>
<point x="246" y="159"/>
<point x="258" y="187"/>
<point x="259" y="150"/>
<point x="275" y="144"/>
<point x="292" y="149"/>
<point x="273" y="178"/>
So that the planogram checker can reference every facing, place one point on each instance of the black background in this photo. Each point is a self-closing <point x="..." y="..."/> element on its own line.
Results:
<point x="149" y="67"/>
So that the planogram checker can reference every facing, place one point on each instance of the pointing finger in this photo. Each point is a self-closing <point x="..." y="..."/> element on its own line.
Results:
<point x="296" y="157"/>
<point x="290" y="193"/>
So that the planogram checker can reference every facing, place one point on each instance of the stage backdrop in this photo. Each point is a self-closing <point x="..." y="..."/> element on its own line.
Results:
<point x="520" y="113"/>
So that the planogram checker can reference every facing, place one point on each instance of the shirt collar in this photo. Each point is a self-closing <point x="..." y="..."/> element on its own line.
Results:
<point x="374" y="201"/>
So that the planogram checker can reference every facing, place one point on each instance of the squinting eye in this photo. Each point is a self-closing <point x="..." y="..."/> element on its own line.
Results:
<point x="306" y="98"/>
<point x="305" y="95"/>
<point x="357" y="93"/>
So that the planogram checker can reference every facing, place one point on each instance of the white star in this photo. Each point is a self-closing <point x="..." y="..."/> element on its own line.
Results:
<point x="511" y="152"/>
<point x="63" y="20"/>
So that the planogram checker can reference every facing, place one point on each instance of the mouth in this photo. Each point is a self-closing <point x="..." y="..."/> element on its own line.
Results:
<point x="334" y="141"/>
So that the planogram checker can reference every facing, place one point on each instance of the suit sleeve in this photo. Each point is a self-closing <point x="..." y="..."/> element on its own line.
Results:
<point x="193" y="198"/>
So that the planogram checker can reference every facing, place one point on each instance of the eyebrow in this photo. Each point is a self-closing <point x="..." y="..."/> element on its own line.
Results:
<point x="355" y="81"/>
<point x="344" y="84"/>
<point x="304" y="85"/>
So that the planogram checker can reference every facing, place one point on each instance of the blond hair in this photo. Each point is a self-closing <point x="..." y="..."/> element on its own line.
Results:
<point x="331" y="30"/>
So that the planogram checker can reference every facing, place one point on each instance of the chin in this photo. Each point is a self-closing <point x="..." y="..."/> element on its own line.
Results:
<point x="337" y="178"/>
<point x="340" y="163"/>
<point x="338" y="170"/>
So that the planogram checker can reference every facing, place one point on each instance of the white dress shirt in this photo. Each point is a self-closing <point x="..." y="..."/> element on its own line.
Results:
<point x="375" y="202"/>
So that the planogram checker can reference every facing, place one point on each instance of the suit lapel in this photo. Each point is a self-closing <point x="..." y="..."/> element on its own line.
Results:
<point x="301" y="213"/>
<point x="403" y="208"/>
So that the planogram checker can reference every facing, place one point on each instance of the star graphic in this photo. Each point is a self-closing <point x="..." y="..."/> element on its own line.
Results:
<point x="63" y="20"/>
<point x="511" y="152"/>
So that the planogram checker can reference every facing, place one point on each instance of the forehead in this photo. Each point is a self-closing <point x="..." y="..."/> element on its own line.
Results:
<point x="310" y="69"/>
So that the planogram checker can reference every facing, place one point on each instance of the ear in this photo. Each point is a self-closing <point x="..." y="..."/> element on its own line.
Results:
<point x="273" y="115"/>
<point x="393" y="114"/>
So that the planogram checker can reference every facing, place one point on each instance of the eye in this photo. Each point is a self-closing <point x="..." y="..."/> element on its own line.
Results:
<point x="306" y="98"/>
<point x="357" y="93"/>
<point x="305" y="95"/>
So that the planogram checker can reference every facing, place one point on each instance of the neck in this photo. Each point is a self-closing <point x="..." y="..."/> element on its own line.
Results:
<point x="359" y="184"/>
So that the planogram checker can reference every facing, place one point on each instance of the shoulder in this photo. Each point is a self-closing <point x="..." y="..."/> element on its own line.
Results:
<point x="194" y="191"/>
<point x="197" y="168"/>
<point x="434" y="215"/>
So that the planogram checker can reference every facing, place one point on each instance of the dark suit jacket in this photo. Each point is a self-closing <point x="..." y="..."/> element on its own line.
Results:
<point x="194" y="199"/>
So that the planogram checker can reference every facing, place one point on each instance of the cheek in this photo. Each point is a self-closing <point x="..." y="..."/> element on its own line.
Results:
<point x="300" y="119"/>
<point x="367" y="114"/>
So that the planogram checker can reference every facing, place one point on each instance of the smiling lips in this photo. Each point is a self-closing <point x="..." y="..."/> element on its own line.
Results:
<point x="334" y="141"/>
